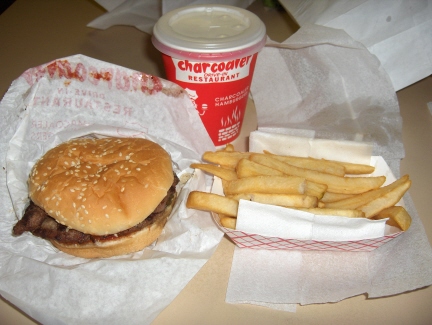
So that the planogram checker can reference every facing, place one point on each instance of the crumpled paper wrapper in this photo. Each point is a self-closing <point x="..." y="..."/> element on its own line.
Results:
<point x="80" y="96"/>
<point x="143" y="14"/>
<point x="321" y="84"/>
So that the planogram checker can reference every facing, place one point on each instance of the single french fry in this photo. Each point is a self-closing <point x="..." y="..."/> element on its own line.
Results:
<point x="315" y="189"/>
<point x="355" y="169"/>
<point x="398" y="217"/>
<point x="336" y="212"/>
<point x="225" y="158"/>
<point x="224" y="185"/>
<point x="212" y="202"/>
<point x="325" y="166"/>
<point x="358" y="200"/>
<point x="228" y="174"/>
<point x="248" y="168"/>
<point x="284" y="200"/>
<point x="267" y="184"/>
<point x="332" y="197"/>
<point x="385" y="201"/>
<point x="229" y="147"/>
<point x="227" y="222"/>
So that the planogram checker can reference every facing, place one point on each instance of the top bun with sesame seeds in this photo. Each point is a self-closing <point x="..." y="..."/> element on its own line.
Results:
<point x="104" y="195"/>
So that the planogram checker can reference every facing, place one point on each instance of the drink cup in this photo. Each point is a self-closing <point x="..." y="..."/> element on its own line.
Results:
<point x="210" y="51"/>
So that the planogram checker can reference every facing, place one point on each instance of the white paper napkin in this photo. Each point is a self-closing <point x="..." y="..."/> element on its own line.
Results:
<point x="275" y="221"/>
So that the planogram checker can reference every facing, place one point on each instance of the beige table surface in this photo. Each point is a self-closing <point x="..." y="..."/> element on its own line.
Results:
<point x="35" y="32"/>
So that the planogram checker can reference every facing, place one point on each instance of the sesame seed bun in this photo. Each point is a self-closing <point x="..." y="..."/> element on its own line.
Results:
<point x="102" y="187"/>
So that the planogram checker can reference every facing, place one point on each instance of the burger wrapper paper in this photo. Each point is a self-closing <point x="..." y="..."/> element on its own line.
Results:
<point x="80" y="96"/>
<point x="314" y="93"/>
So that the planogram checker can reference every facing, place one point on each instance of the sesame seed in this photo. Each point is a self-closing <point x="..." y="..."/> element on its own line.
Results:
<point x="72" y="190"/>
<point x="107" y="215"/>
<point x="104" y="207"/>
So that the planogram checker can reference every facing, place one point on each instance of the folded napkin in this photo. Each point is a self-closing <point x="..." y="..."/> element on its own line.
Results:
<point x="276" y="221"/>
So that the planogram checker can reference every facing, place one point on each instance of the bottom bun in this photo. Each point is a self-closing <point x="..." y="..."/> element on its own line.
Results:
<point x="123" y="245"/>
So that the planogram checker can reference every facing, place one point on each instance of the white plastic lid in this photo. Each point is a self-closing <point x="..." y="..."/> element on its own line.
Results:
<point x="209" y="32"/>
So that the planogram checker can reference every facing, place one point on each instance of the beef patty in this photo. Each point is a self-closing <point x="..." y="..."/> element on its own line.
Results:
<point x="40" y="224"/>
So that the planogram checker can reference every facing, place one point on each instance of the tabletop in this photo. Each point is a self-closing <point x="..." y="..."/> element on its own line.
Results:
<point x="36" y="32"/>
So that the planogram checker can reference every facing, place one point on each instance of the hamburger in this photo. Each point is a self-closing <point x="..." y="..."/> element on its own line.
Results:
<point x="100" y="197"/>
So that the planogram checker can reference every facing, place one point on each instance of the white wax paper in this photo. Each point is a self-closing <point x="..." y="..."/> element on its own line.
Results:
<point x="321" y="83"/>
<point x="81" y="96"/>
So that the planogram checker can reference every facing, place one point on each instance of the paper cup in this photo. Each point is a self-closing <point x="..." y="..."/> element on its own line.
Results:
<point x="210" y="51"/>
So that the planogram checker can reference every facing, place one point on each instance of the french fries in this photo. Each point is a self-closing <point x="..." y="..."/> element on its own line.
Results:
<point x="322" y="187"/>
<point x="228" y="174"/>
<point x="227" y="222"/>
<point x="212" y="202"/>
<point x="225" y="158"/>
<point x="267" y="184"/>
<point x="335" y="212"/>
<point x="325" y="166"/>
<point x="248" y="168"/>
<point x="398" y="217"/>
<point x="359" y="200"/>
<point x="283" y="200"/>
<point x="336" y="184"/>
<point x="387" y="200"/>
